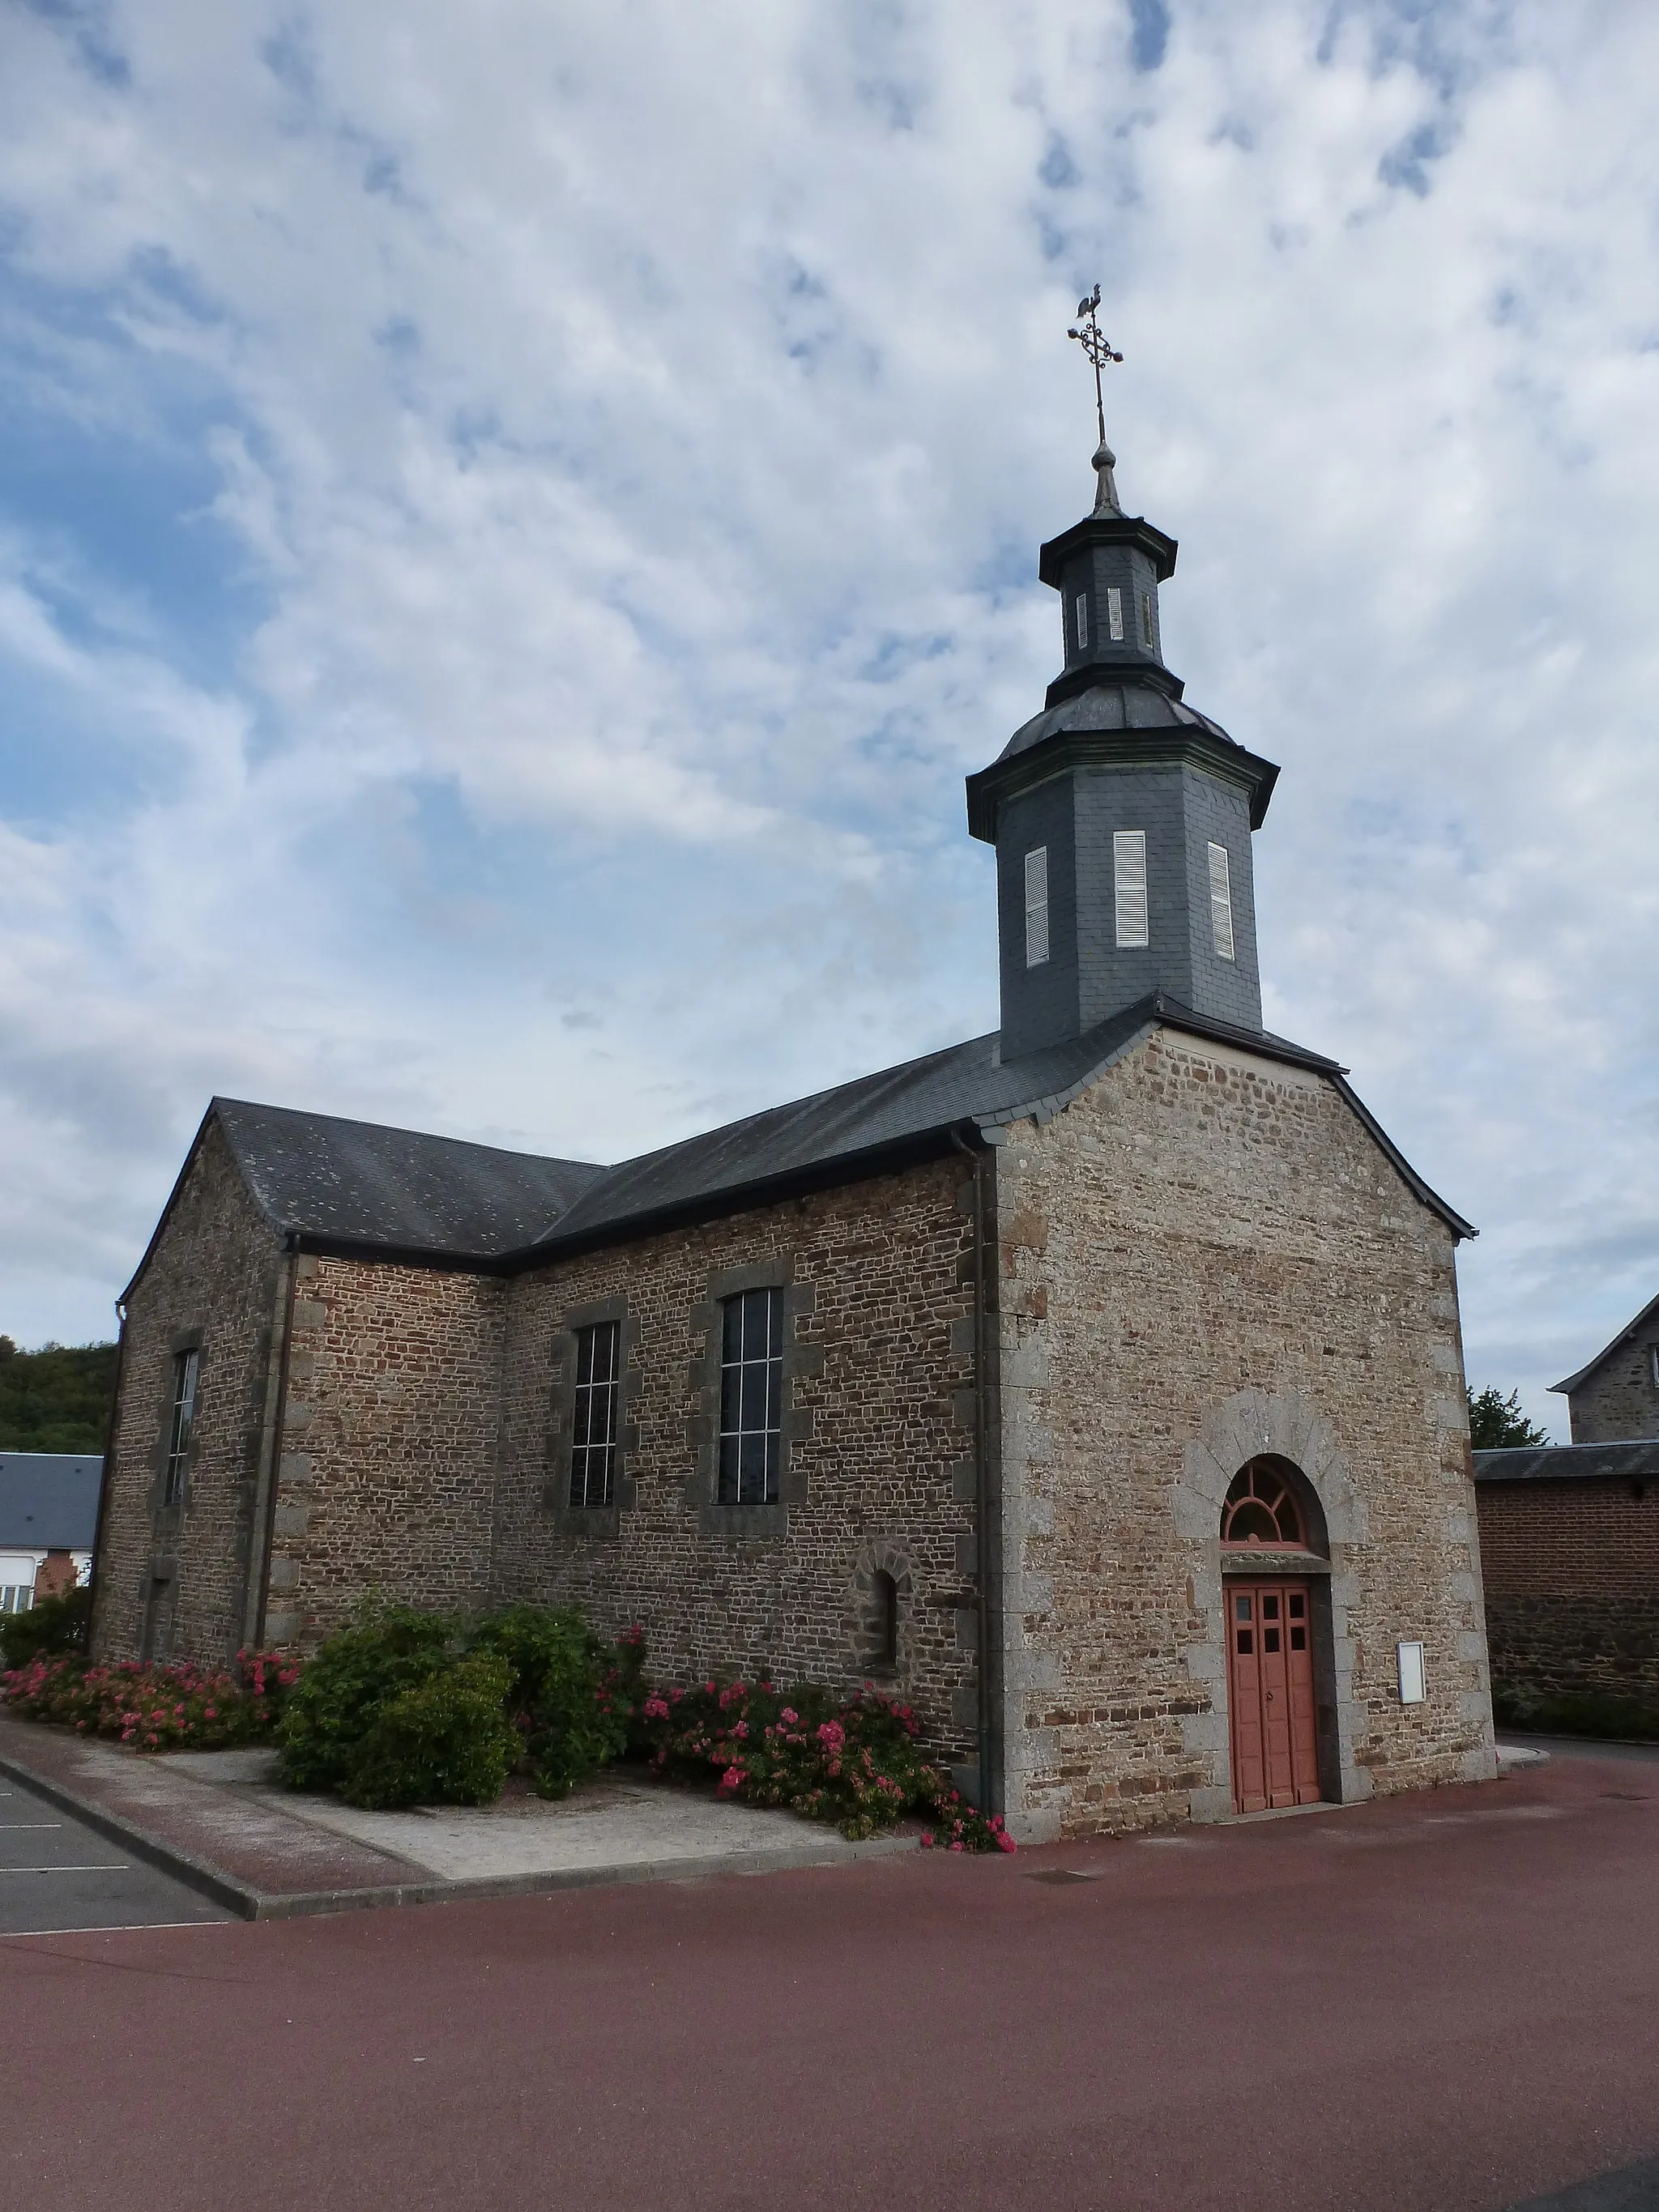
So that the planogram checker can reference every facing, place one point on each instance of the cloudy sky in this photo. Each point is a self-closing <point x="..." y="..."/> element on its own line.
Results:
<point x="515" y="521"/>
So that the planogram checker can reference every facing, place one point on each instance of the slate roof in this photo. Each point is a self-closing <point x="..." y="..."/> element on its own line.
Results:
<point x="357" y="1186"/>
<point x="1649" y="1313"/>
<point x="1620" y="1462"/>
<point x="1126" y="706"/>
<point x="48" y="1500"/>
<point x="361" y="1183"/>
<point x="1138" y="716"/>
<point x="909" y="1109"/>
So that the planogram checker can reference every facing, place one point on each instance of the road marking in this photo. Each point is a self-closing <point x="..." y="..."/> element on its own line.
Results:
<point x="11" y="1827"/>
<point x="109" y="1928"/>
<point x="102" y="1866"/>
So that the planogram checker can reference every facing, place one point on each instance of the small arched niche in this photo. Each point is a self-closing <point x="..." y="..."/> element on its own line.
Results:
<point x="1270" y="1506"/>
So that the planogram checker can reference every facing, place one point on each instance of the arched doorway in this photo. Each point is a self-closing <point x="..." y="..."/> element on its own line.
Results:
<point x="1272" y="1543"/>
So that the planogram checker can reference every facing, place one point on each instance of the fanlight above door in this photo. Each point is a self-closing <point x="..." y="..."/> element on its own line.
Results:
<point x="1260" y="1508"/>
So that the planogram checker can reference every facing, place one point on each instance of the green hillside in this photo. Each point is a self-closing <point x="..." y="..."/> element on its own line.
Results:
<point x="56" y="1400"/>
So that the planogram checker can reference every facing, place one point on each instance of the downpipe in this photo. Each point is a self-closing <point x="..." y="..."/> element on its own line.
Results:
<point x="975" y="1157"/>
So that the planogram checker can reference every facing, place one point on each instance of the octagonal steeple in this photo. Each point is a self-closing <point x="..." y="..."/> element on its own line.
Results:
<point x="1122" y="817"/>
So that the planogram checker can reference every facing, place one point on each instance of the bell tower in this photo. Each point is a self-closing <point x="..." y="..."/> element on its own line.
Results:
<point x="1122" y="817"/>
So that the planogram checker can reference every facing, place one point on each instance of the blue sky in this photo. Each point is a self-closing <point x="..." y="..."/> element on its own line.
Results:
<point x="514" y="527"/>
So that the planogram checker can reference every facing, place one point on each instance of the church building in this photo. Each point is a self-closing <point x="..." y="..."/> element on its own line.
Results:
<point x="1096" y="1384"/>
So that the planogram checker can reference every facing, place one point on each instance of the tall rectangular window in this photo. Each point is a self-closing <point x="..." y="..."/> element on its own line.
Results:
<point x="1114" y="614"/>
<point x="1146" y="620"/>
<point x="1036" y="907"/>
<point x="1080" y="621"/>
<point x="1129" y="883"/>
<point x="594" y="1424"/>
<point x="1221" y="902"/>
<point x="183" y="1420"/>
<point x="751" y="1398"/>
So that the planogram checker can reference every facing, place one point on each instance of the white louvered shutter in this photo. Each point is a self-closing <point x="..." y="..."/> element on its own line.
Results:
<point x="1129" y="882"/>
<point x="1114" y="613"/>
<point x="1036" y="907"/>
<point x="1221" y="902"/>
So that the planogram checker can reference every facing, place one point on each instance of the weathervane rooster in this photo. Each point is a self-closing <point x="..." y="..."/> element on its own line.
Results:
<point x="1090" y="335"/>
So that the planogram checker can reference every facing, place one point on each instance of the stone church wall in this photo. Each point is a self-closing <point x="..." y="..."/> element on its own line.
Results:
<point x="1619" y="1402"/>
<point x="877" y="1287"/>
<point x="389" y="1433"/>
<point x="1204" y="1257"/>
<point x="216" y="1278"/>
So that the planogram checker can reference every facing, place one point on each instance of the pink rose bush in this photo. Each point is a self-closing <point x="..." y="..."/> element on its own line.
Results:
<point x="153" y="1708"/>
<point x="856" y="1762"/>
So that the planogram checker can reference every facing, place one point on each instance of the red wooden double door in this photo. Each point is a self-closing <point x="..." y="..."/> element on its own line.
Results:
<point x="1270" y="1694"/>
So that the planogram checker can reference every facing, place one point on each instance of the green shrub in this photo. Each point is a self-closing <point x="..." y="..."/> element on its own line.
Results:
<point x="388" y="1707"/>
<point x="565" y="1693"/>
<point x="387" y="1652"/>
<point x="54" y="1624"/>
<point x="447" y="1742"/>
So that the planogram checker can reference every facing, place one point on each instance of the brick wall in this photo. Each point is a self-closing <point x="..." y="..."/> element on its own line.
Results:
<point x="877" y="1283"/>
<point x="217" y="1269"/>
<point x="1205" y="1257"/>
<point x="1620" y="1402"/>
<point x="386" y="1474"/>
<point x="1572" y="1584"/>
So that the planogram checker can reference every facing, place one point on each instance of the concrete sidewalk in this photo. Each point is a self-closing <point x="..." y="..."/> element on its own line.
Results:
<point x="219" y="1821"/>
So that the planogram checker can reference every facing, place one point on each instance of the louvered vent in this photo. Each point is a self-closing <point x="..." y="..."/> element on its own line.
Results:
<point x="1221" y="902"/>
<point x="1129" y="879"/>
<point x="1037" y="906"/>
<point x="1114" y="614"/>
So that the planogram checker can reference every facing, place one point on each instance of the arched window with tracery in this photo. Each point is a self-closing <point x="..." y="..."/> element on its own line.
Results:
<point x="1261" y="1508"/>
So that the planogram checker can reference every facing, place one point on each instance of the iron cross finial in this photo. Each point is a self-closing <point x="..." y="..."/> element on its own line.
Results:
<point x="1094" y="343"/>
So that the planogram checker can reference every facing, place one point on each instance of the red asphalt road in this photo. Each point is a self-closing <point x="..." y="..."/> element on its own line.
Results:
<point x="1449" y="2000"/>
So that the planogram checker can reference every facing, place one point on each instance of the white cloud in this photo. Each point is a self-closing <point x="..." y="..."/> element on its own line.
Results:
<point x="630" y="432"/>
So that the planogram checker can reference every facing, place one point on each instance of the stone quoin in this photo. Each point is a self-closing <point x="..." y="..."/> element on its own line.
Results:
<point x="1096" y="1383"/>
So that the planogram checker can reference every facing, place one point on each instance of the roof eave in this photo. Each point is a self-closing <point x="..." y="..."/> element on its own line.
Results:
<point x="207" y="1121"/>
<point x="383" y="1252"/>
<point x="1647" y="1314"/>
<point x="738" y="1197"/>
<point x="1430" y="1197"/>
<point x="1107" y="530"/>
<point x="1064" y="750"/>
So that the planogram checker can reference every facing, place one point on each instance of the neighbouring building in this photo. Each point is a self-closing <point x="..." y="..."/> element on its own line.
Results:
<point x="1616" y="1396"/>
<point x="1569" y="1544"/>
<point x="1098" y="1382"/>
<point x="1570" y="1533"/>
<point x="48" y="1520"/>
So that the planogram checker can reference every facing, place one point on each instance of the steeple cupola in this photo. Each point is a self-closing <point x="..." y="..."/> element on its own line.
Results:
<point x="1107" y="569"/>
<point x="1122" y="817"/>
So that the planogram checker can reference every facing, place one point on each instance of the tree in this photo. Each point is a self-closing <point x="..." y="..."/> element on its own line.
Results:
<point x="1497" y="1423"/>
<point x="56" y="1400"/>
